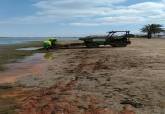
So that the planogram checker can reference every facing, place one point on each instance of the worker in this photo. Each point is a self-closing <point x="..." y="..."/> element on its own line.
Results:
<point x="47" y="44"/>
<point x="53" y="42"/>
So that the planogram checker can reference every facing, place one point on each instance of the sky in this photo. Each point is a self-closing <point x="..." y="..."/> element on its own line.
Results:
<point x="71" y="18"/>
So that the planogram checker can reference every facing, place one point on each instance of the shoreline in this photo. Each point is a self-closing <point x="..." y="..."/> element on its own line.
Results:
<point x="22" y="59"/>
<point x="10" y="54"/>
<point x="30" y="65"/>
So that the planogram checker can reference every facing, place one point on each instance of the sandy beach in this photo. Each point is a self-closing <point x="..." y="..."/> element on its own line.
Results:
<point x="113" y="77"/>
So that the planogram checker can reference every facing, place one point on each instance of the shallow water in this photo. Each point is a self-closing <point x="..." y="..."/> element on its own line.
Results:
<point x="29" y="48"/>
<point x="31" y="65"/>
<point x="16" y="40"/>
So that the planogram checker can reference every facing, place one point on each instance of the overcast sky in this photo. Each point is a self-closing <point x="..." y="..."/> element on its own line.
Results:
<point x="77" y="17"/>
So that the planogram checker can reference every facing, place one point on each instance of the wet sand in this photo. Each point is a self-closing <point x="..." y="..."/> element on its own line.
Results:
<point x="10" y="53"/>
<point x="31" y="65"/>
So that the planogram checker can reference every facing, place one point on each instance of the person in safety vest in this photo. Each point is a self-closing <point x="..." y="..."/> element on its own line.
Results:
<point x="47" y="44"/>
<point x="53" y="42"/>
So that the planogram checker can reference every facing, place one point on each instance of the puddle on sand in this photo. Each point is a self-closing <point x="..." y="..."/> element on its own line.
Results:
<point x="34" y="65"/>
<point x="48" y="56"/>
<point x="29" y="49"/>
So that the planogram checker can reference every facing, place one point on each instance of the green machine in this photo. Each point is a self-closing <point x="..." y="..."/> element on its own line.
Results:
<point x="111" y="39"/>
<point x="50" y="44"/>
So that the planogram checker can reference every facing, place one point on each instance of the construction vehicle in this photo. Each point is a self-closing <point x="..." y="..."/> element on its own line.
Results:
<point x="111" y="39"/>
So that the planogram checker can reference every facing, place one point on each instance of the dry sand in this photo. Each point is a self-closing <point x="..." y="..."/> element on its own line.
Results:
<point x="133" y="75"/>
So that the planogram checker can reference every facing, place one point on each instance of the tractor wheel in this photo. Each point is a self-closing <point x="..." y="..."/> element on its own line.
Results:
<point x="91" y="45"/>
<point x="119" y="45"/>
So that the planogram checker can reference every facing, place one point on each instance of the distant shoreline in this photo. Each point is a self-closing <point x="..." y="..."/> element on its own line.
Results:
<point x="19" y="40"/>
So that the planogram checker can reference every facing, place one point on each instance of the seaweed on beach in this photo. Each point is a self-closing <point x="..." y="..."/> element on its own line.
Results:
<point x="62" y="99"/>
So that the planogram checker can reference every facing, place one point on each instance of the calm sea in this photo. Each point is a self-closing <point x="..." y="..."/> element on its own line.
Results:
<point x="15" y="40"/>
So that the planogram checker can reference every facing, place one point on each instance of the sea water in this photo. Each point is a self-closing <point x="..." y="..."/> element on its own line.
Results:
<point x="15" y="40"/>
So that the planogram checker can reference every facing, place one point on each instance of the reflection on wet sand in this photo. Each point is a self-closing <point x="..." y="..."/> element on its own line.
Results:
<point x="33" y="65"/>
<point x="49" y="56"/>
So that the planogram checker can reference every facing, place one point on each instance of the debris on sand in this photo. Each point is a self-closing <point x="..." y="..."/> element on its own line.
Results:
<point x="132" y="102"/>
<point x="127" y="110"/>
<point x="61" y="99"/>
<point x="5" y="86"/>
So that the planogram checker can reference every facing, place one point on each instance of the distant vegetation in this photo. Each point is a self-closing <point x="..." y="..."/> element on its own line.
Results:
<point x="152" y="29"/>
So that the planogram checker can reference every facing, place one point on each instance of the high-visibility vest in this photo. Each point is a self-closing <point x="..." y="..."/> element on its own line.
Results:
<point x="47" y="44"/>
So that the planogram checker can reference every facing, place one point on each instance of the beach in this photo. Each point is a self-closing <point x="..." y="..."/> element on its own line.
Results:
<point x="106" y="78"/>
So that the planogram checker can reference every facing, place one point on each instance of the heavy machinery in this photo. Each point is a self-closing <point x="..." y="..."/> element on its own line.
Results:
<point x="111" y="39"/>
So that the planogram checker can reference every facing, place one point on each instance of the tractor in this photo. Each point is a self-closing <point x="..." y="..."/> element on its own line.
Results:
<point x="111" y="39"/>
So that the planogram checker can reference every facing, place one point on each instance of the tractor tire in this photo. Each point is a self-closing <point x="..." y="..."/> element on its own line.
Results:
<point x="119" y="45"/>
<point x="91" y="45"/>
